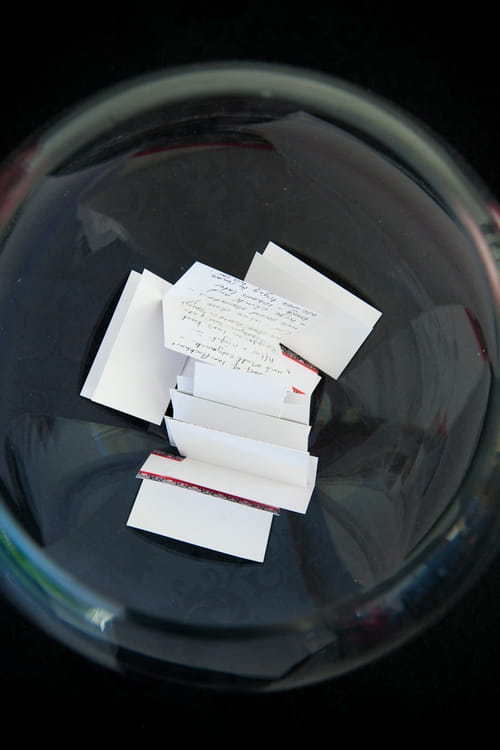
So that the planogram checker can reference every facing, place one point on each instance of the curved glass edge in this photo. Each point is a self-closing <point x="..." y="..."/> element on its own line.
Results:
<point x="478" y="525"/>
<point x="26" y="574"/>
<point x="382" y="119"/>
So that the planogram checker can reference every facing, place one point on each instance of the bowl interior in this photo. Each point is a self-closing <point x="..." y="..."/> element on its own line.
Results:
<point x="214" y="180"/>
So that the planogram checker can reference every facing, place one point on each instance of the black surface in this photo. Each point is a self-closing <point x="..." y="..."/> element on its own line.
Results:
<point x="443" y="70"/>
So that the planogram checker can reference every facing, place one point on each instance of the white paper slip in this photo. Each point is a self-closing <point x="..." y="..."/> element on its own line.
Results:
<point x="236" y="484"/>
<point x="222" y="320"/>
<point x="240" y="422"/>
<point x="301" y="379"/>
<point x="321" y="284"/>
<point x="332" y="339"/>
<point x="203" y="520"/>
<point x="245" y="390"/>
<point x="239" y="453"/>
<point x="132" y="371"/>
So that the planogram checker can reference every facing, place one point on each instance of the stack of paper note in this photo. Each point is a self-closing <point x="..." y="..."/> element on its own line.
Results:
<point x="238" y="441"/>
<point x="238" y="360"/>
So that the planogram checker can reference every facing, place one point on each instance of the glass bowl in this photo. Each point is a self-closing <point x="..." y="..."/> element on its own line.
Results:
<point x="210" y="163"/>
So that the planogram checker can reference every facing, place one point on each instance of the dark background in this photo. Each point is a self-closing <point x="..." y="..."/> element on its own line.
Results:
<point x="442" y="68"/>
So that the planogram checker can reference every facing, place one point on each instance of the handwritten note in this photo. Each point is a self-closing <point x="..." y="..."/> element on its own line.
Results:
<point x="344" y="320"/>
<point x="220" y="319"/>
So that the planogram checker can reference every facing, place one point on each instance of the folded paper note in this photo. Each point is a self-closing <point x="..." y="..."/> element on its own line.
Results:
<point x="196" y="518"/>
<point x="239" y="453"/>
<point x="344" y="322"/>
<point x="242" y="422"/>
<point x="296" y="407"/>
<point x="264" y="394"/>
<point x="222" y="320"/>
<point x="241" y="486"/>
<point x="132" y="371"/>
<point x="301" y="376"/>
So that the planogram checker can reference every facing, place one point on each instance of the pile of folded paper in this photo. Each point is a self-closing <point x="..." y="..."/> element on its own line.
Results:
<point x="237" y="361"/>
